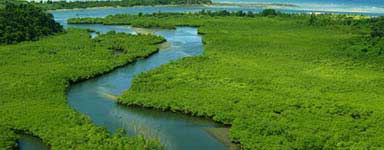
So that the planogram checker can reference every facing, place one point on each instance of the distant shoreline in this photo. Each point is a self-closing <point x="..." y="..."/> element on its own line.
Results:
<point x="256" y="5"/>
<point x="141" y="6"/>
<point x="352" y="11"/>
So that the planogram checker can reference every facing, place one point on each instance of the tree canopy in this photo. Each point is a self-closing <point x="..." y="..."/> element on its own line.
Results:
<point x="24" y="22"/>
<point x="378" y="27"/>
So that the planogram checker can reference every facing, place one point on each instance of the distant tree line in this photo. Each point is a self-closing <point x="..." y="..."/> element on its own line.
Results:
<point x="113" y="3"/>
<point x="240" y="13"/>
<point x="121" y="18"/>
<point x="332" y="19"/>
<point x="222" y="13"/>
<point x="25" y="22"/>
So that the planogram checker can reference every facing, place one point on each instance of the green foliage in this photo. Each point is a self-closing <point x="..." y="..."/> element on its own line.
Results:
<point x="157" y="19"/>
<point x="365" y="46"/>
<point x="117" y="3"/>
<point x="378" y="27"/>
<point x="377" y="36"/>
<point x="269" y="12"/>
<point x="25" y="22"/>
<point x="187" y="18"/>
<point x="369" y="46"/>
<point x="332" y="20"/>
<point x="154" y="20"/>
<point x="280" y="83"/>
<point x="7" y="138"/>
<point x="34" y="79"/>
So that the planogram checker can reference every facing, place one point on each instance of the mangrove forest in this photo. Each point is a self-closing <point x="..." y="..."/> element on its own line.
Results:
<point x="192" y="77"/>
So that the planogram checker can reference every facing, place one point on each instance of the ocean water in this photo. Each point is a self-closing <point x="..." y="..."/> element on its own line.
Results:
<point x="363" y="7"/>
<point x="354" y="6"/>
<point x="372" y="3"/>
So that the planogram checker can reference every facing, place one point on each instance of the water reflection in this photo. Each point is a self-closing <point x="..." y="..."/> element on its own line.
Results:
<point x="27" y="142"/>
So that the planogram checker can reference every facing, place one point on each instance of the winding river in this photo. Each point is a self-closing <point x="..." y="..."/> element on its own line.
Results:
<point x="93" y="97"/>
<point x="175" y="131"/>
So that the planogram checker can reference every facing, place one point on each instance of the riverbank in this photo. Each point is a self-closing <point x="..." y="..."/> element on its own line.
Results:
<point x="222" y="134"/>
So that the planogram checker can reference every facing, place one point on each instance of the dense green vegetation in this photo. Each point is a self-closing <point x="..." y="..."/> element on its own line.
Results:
<point x="34" y="79"/>
<point x="187" y="18"/>
<point x="280" y="81"/>
<point x="157" y="19"/>
<point x="377" y="37"/>
<point x="270" y="12"/>
<point x="378" y="27"/>
<point x="117" y="3"/>
<point x="25" y="22"/>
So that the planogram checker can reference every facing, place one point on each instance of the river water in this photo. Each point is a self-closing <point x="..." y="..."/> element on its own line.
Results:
<point x="28" y="142"/>
<point x="175" y="131"/>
